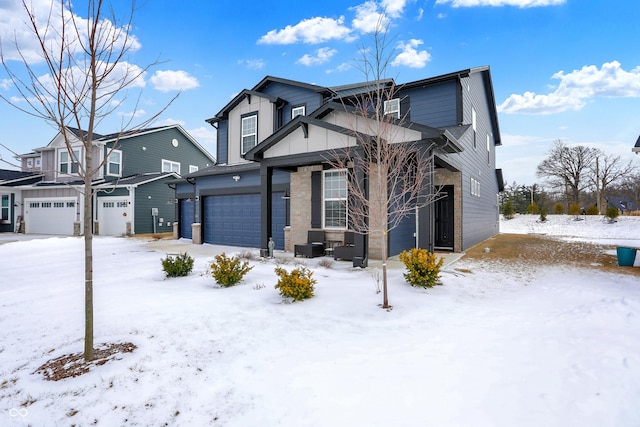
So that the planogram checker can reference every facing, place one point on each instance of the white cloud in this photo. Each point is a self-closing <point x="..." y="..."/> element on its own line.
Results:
<point x="410" y="56"/>
<point x="394" y="8"/>
<point x="420" y="14"/>
<point x="252" y="64"/>
<point x="170" y="80"/>
<point x="517" y="3"/>
<point x="14" y="27"/>
<point x="311" y="31"/>
<point x="321" y="56"/>
<point x="368" y="19"/>
<point x="345" y="66"/>
<point x="206" y="136"/>
<point x="576" y="88"/>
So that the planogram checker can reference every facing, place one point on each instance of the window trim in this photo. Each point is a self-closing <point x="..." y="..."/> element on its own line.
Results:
<point x="193" y="168"/>
<point x="119" y="163"/>
<point x="395" y="112"/>
<point x="5" y="211"/>
<point x="298" y="107"/>
<point x="252" y="115"/>
<point x="343" y="201"/>
<point x="170" y="163"/>
<point x="72" y="167"/>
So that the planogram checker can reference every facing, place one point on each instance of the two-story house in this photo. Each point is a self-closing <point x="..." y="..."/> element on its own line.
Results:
<point x="130" y="194"/>
<point x="274" y="146"/>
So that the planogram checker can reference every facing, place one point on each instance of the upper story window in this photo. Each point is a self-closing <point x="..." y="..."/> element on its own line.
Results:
<point x="114" y="163"/>
<point x="169" y="166"/>
<point x="29" y="163"/>
<point x="392" y="107"/>
<point x="297" y="111"/>
<point x="67" y="163"/>
<point x="4" y="208"/>
<point x="474" y="125"/>
<point x="249" y="132"/>
<point x="334" y="199"/>
<point x="193" y="169"/>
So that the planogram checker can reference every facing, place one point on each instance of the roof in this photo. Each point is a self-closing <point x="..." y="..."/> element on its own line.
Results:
<point x="12" y="178"/>
<point x="636" y="148"/>
<point x="139" y="179"/>
<point x="346" y="91"/>
<point x="238" y="99"/>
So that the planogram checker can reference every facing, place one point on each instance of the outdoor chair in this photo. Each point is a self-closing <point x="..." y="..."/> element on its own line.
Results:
<point x="346" y="250"/>
<point x="314" y="246"/>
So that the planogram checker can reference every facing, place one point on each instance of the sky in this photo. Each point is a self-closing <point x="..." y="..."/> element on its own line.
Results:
<point x="561" y="69"/>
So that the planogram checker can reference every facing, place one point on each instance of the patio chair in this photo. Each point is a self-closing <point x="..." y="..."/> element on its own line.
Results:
<point x="314" y="246"/>
<point x="346" y="250"/>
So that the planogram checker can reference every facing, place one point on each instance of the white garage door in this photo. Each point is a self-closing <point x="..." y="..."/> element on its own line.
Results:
<point x="50" y="215"/>
<point x="113" y="214"/>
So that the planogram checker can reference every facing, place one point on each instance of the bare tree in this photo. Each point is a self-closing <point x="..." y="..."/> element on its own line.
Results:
<point x="606" y="171"/>
<point x="565" y="168"/>
<point x="389" y="177"/>
<point x="87" y="75"/>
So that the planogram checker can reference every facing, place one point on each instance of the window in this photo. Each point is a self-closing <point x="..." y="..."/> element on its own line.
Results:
<point x="114" y="163"/>
<point x="169" y="166"/>
<point x="249" y="132"/>
<point x="38" y="163"/>
<point x="488" y="149"/>
<point x="335" y="199"/>
<point x="392" y="107"/>
<point x="474" y="126"/>
<point x="297" y="111"/>
<point x="193" y="169"/>
<point x="4" y="208"/>
<point x="475" y="187"/>
<point x="68" y="164"/>
<point x="29" y="163"/>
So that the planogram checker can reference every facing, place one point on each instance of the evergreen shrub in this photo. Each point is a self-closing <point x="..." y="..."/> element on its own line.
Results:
<point x="558" y="208"/>
<point x="229" y="271"/>
<point x="298" y="284"/>
<point x="592" y="210"/>
<point x="543" y="215"/>
<point x="574" y="209"/>
<point x="507" y="210"/>
<point x="532" y="209"/>
<point x="177" y="265"/>
<point x="423" y="267"/>
<point x="612" y="213"/>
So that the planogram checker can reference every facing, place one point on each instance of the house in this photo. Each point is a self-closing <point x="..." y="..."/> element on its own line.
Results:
<point x="636" y="148"/>
<point x="11" y="198"/>
<point x="130" y="194"/>
<point x="274" y="142"/>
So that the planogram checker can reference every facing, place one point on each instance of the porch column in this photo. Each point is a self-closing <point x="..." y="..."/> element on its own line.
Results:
<point x="266" y="179"/>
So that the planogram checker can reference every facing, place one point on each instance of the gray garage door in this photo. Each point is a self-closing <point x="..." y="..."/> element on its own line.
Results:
<point x="234" y="220"/>
<point x="186" y="217"/>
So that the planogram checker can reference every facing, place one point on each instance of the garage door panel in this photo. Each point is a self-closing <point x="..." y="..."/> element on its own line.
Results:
<point x="234" y="220"/>
<point x="54" y="215"/>
<point x="186" y="218"/>
<point x="113" y="214"/>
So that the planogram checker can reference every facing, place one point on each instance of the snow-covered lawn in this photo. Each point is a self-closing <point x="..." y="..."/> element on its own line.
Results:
<point x="542" y="347"/>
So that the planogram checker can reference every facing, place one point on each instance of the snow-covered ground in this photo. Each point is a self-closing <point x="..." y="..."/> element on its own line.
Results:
<point x="542" y="347"/>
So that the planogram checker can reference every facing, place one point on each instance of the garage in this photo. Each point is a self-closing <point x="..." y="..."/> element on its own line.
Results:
<point x="50" y="215"/>
<point x="113" y="214"/>
<point x="234" y="220"/>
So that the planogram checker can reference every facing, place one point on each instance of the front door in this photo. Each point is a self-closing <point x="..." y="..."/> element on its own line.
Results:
<point x="444" y="219"/>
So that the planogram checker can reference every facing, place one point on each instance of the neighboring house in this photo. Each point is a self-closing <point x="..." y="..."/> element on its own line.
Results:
<point x="636" y="148"/>
<point x="623" y="204"/>
<point x="11" y="198"/>
<point x="130" y="191"/>
<point x="275" y="140"/>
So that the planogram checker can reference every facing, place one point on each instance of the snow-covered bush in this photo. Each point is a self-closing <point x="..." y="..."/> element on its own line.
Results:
<point x="177" y="265"/>
<point x="229" y="271"/>
<point x="612" y="213"/>
<point x="423" y="267"/>
<point x="299" y="284"/>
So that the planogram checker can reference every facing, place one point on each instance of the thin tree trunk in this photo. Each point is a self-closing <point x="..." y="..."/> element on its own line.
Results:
<point x="88" y="263"/>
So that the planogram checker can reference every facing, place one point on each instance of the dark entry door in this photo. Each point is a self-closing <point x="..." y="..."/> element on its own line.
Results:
<point x="444" y="219"/>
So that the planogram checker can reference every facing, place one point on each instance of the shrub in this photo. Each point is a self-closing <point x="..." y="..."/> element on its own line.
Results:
<point x="592" y="210"/>
<point x="634" y="213"/>
<point x="558" y="208"/>
<point x="612" y="213"/>
<point x="326" y="263"/>
<point x="423" y="267"/>
<point x="543" y="215"/>
<point x="574" y="209"/>
<point x="507" y="210"/>
<point x="532" y="209"/>
<point x="177" y="265"/>
<point x="297" y="285"/>
<point x="229" y="271"/>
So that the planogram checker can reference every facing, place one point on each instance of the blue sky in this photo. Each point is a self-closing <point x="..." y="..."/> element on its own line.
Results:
<point x="561" y="69"/>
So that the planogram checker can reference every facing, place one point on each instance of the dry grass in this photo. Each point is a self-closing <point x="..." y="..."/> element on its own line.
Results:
<point x="528" y="249"/>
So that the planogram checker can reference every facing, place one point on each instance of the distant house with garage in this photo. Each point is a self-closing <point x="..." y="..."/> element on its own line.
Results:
<point x="130" y="194"/>
<point x="274" y="142"/>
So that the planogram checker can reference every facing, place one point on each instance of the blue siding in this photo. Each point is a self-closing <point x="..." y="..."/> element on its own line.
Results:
<point x="433" y="105"/>
<point x="222" y="143"/>
<point x="295" y="96"/>
<point x="403" y="236"/>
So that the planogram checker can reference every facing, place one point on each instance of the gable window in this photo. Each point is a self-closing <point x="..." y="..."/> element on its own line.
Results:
<point x="392" y="107"/>
<point x="66" y="163"/>
<point x="249" y="132"/>
<point x="474" y="125"/>
<point x="169" y="166"/>
<point x="114" y="163"/>
<point x="297" y="111"/>
<point x="4" y="208"/>
<point x="193" y="169"/>
<point x="334" y="200"/>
